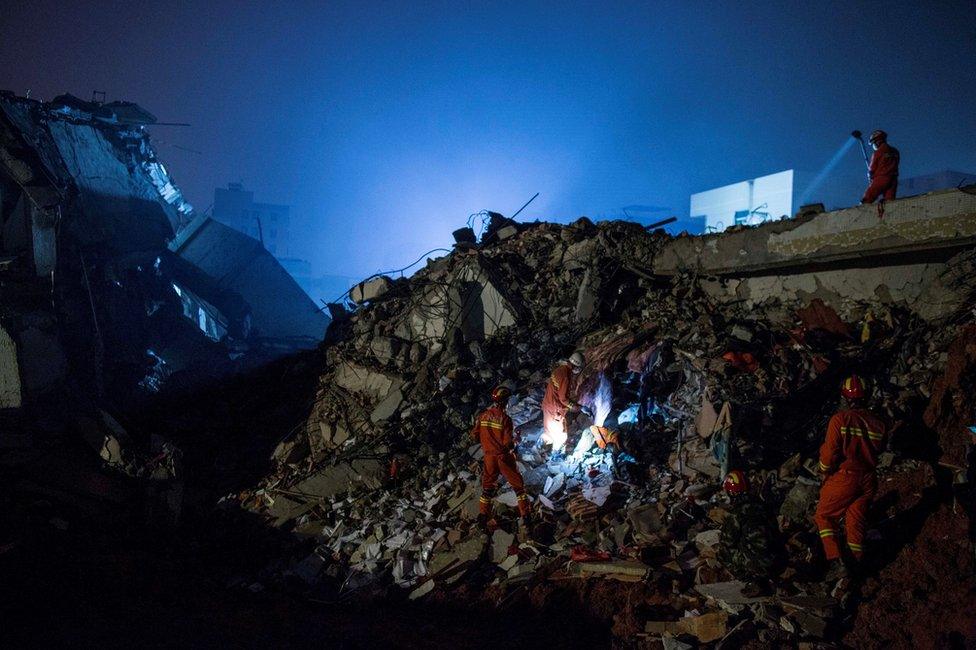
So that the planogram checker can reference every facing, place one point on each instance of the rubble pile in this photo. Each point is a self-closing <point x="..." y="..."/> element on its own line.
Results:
<point x="381" y="482"/>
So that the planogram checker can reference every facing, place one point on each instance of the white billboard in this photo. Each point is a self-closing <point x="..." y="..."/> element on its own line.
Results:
<point x="751" y="202"/>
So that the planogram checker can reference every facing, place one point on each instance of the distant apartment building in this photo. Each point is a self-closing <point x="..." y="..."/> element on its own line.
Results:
<point x="266" y="222"/>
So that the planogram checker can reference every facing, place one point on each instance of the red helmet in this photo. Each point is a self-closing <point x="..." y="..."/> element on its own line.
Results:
<point x="853" y="388"/>
<point x="736" y="483"/>
<point x="878" y="136"/>
<point x="500" y="394"/>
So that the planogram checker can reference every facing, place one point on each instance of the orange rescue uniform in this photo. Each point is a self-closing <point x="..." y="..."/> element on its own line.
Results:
<point x="883" y="172"/>
<point x="849" y="456"/>
<point x="556" y="403"/>
<point x="493" y="429"/>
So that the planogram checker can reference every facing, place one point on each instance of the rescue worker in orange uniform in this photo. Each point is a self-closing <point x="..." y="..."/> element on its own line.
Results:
<point x="882" y="170"/>
<point x="558" y="401"/>
<point x="493" y="429"/>
<point x="848" y="458"/>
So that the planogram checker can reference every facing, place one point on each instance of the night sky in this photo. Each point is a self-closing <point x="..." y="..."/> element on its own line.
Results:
<point x="384" y="125"/>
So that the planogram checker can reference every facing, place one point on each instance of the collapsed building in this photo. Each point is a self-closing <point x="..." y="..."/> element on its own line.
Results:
<point x="134" y="315"/>
<point x="109" y="279"/>
<point x="703" y="353"/>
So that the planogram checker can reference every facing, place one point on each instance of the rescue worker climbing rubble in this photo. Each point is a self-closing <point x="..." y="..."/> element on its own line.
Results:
<point x="882" y="170"/>
<point x="746" y="545"/>
<point x="560" y="400"/>
<point x="848" y="458"/>
<point x="493" y="429"/>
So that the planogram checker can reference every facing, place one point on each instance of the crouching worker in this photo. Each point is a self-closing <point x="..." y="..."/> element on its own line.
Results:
<point x="493" y="429"/>
<point x="747" y="545"/>
<point x="560" y="400"/>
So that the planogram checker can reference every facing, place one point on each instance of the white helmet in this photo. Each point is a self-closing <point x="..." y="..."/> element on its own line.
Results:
<point x="577" y="359"/>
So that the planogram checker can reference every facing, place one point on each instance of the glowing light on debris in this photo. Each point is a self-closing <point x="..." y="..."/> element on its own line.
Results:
<point x="555" y="435"/>
<point x="628" y="415"/>
<point x="584" y="445"/>
<point x="602" y="399"/>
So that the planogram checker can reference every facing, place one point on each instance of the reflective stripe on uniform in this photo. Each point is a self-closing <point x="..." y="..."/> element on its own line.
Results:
<point x="823" y="468"/>
<point x="827" y="532"/>
<point x="522" y="497"/>
<point x="490" y="424"/>
<point x="860" y="433"/>
<point x="855" y="547"/>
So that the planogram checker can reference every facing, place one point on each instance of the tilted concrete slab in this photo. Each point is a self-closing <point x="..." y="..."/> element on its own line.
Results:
<point x="928" y="222"/>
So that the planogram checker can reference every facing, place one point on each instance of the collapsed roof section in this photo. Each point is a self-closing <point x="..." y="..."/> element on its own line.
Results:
<point x="87" y="215"/>
<point x="236" y="264"/>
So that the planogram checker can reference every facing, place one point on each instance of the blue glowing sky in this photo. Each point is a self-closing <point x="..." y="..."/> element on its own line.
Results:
<point x="384" y="125"/>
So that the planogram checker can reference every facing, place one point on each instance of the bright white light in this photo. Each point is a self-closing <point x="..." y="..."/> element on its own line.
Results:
<point x="555" y="435"/>
<point x="602" y="400"/>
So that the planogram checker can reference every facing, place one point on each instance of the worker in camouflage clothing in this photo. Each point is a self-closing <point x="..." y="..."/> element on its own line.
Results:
<point x="746" y="545"/>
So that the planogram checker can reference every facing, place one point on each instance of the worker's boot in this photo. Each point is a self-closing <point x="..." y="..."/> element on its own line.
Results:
<point x="525" y="528"/>
<point x="483" y="523"/>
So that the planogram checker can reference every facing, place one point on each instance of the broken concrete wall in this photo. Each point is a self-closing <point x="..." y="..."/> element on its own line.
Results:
<point x="945" y="219"/>
<point x="919" y="287"/>
<point x="483" y="309"/>
<point x="358" y="379"/>
<point x="909" y="257"/>
<point x="120" y="204"/>
<point x="465" y="298"/>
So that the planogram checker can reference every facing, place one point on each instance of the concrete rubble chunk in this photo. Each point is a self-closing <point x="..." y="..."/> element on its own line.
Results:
<point x="370" y="289"/>
<point x="706" y="628"/>
<point x="387" y="407"/>
<point x="671" y="643"/>
<point x="624" y="568"/>
<point x="728" y="592"/>
<point x="646" y="521"/>
<point x="506" y="231"/>
<point x="384" y="348"/>
<point x="587" y="298"/>
<point x="501" y="542"/>
<point x="358" y="379"/>
<point x="800" y="501"/>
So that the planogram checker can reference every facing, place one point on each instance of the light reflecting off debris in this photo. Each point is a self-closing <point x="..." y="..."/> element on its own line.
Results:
<point x="584" y="445"/>
<point x="602" y="400"/>
<point x="629" y="414"/>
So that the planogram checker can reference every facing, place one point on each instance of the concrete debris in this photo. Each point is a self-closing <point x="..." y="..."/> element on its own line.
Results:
<point x="729" y="593"/>
<point x="706" y="628"/>
<point x="620" y="569"/>
<point x="693" y="392"/>
<point x="370" y="289"/>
